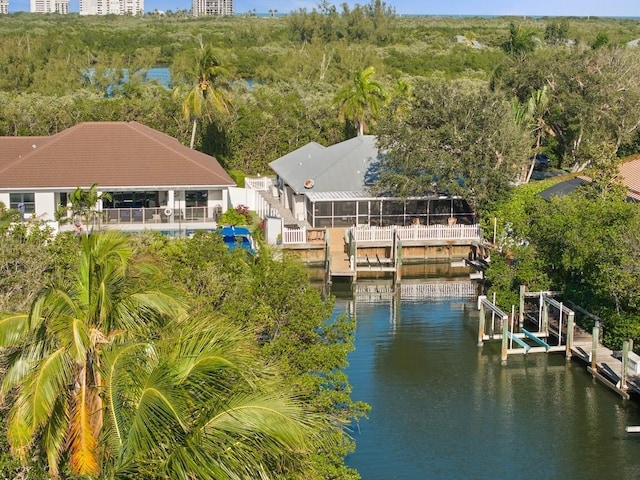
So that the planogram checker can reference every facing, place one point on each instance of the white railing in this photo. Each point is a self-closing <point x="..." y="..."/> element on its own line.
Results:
<point x="417" y="232"/>
<point x="260" y="183"/>
<point x="413" y="291"/>
<point x="263" y="208"/>
<point x="294" y="235"/>
<point x="157" y="215"/>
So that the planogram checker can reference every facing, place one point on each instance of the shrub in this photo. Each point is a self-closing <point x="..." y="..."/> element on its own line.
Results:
<point x="236" y="216"/>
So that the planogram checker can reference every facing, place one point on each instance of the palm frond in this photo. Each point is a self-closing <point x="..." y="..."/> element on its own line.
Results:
<point x="272" y="416"/>
<point x="72" y="334"/>
<point x="12" y="330"/>
<point x="206" y="346"/>
<point x="83" y="458"/>
<point x="41" y="388"/>
<point x="160" y="413"/>
<point x="19" y="365"/>
<point x="123" y="372"/>
<point x="54" y="435"/>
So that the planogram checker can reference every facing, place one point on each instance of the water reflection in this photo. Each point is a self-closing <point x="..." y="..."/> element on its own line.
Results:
<point x="443" y="408"/>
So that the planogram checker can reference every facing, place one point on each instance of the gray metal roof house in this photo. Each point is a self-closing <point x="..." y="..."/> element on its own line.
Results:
<point x="329" y="187"/>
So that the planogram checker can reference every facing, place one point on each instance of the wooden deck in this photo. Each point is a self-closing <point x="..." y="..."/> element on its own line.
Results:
<point x="607" y="365"/>
<point x="339" y="258"/>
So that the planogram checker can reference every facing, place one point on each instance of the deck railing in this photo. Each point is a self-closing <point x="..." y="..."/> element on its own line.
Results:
<point x="376" y="291"/>
<point x="416" y="232"/>
<point x="157" y="215"/>
<point x="263" y="208"/>
<point x="294" y="235"/>
<point x="385" y="234"/>
<point x="260" y="183"/>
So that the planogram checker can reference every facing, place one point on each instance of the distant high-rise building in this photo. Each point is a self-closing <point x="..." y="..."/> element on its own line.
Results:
<point x="50" y="6"/>
<point x="111" y="7"/>
<point x="212" y="7"/>
<point x="4" y="6"/>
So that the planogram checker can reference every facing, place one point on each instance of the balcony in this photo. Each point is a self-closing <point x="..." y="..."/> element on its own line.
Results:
<point x="159" y="218"/>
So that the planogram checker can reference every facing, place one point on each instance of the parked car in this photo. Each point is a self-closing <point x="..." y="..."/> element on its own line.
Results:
<point x="542" y="162"/>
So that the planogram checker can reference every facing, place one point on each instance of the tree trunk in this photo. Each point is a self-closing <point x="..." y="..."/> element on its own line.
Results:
<point x="193" y="133"/>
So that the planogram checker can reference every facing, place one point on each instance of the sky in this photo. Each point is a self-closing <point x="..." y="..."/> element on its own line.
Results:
<point x="580" y="8"/>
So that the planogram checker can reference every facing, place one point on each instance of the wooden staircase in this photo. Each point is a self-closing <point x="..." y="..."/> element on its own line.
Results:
<point x="337" y="253"/>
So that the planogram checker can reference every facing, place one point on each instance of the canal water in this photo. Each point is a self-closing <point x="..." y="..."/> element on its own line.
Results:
<point x="442" y="408"/>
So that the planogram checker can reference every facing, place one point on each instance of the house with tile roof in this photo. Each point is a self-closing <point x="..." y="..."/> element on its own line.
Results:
<point x="152" y="180"/>
<point x="330" y="187"/>
<point x="628" y="175"/>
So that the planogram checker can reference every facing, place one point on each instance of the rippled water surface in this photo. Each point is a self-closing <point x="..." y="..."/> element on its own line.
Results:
<point x="442" y="408"/>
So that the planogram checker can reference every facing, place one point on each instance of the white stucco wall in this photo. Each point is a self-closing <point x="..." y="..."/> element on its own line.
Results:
<point x="273" y="229"/>
<point x="215" y="198"/>
<point x="299" y="211"/>
<point x="45" y="205"/>
<point x="242" y="196"/>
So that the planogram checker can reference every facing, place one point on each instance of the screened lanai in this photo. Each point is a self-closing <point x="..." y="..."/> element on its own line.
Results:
<point x="345" y="209"/>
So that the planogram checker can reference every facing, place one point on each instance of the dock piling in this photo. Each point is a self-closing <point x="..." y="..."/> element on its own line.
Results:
<point x="521" y="306"/>
<point x="570" y="328"/>
<point x="625" y="363"/>
<point x="505" y="340"/>
<point x="594" y="345"/>
<point x="481" y="321"/>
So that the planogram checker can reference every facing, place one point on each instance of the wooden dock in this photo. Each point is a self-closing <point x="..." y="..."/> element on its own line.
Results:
<point x="553" y="329"/>
<point x="339" y="263"/>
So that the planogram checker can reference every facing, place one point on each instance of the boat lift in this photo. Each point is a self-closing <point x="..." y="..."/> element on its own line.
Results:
<point x="526" y="341"/>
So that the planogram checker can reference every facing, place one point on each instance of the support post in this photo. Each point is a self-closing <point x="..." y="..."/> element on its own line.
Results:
<point x="353" y="255"/>
<point x="545" y="318"/>
<point x="560" y="315"/>
<point x="492" y="332"/>
<point x="594" y="345"/>
<point x="481" y="321"/>
<point x="570" y="323"/>
<point x="521" y="307"/>
<point x="505" y="339"/>
<point x="399" y="262"/>
<point x="394" y="256"/>
<point x="625" y="363"/>
<point x="327" y="258"/>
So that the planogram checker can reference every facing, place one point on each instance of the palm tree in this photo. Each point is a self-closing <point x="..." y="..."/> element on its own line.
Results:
<point x="54" y="353"/>
<point x="117" y="381"/>
<point x="84" y="202"/>
<point x="521" y="40"/>
<point x="532" y="114"/>
<point x="360" y="101"/>
<point x="208" y="83"/>
<point x="192" y="407"/>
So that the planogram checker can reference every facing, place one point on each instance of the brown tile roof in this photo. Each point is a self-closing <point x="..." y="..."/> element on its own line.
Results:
<point x="630" y="173"/>
<point x="11" y="148"/>
<point x="111" y="154"/>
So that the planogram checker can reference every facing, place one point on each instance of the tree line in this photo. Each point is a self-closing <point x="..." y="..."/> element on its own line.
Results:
<point x="565" y="92"/>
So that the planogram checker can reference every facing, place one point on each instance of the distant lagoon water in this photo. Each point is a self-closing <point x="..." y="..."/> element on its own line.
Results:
<point x="159" y="74"/>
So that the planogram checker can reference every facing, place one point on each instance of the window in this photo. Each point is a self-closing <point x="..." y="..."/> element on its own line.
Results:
<point x="343" y="209"/>
<point x="323" y="209"/>
<point x="63" y="199"/>
<point x="131" y="200"/>
<point x="24" y="202"/>
<point x="196" y="198"/>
